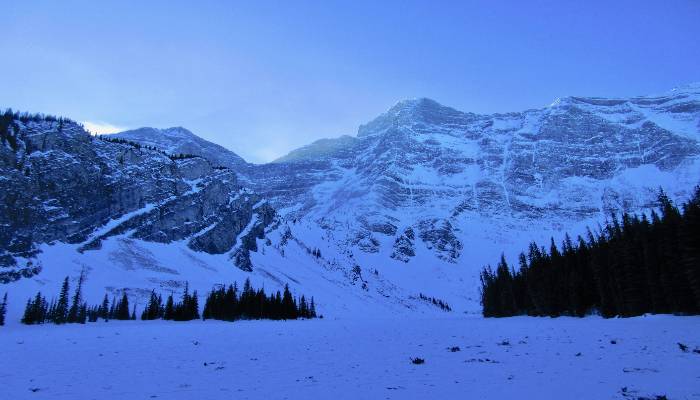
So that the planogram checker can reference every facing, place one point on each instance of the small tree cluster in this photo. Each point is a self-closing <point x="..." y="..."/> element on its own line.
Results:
<point x="181" y="156"/>
<point x="185" y="310"/>
<point x="62" y="311"/>
<point x="154" y="309"/>
<point x="117" y="309"/>
<point x="229" y="305"/>
<point x="632" y="267"/>
<point x="436" y="302"/>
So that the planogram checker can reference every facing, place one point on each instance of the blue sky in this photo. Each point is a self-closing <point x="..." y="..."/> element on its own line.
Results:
<point x="262" y="78"/>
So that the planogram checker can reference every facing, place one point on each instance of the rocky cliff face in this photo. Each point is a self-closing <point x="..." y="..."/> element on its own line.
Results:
<point x="61" y="184"/>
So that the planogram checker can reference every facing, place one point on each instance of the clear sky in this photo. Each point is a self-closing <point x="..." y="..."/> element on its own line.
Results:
<point x="262" y="78"/>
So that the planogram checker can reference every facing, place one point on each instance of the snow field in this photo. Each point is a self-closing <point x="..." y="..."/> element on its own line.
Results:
<point x="366" y="358"/>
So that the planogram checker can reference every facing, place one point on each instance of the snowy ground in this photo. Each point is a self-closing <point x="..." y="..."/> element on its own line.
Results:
<point x="367" y="358"/>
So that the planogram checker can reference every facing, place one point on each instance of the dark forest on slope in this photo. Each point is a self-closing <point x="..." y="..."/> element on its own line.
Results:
<point x="630" y="267"/>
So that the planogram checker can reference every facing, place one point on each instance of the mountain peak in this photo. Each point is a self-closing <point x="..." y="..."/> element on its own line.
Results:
<point x="417" y="106"/>
<point x="407" y="113"/>
<point x="173" y="132"/>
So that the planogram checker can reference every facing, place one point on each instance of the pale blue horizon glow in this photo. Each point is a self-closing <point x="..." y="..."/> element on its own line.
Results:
<point x="263" y="78"/>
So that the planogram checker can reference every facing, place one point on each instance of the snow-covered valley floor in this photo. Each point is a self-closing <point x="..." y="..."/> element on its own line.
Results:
<point x="543" y="358"/>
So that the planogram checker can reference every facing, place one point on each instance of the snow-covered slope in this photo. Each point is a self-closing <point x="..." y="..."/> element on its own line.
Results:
<point x="178" y="140"/>
<point x="417" y="202"/>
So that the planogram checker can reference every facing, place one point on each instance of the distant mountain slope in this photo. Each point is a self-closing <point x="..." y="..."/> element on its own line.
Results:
<point x="181" y="141"/>
<point x="319" y="149"/>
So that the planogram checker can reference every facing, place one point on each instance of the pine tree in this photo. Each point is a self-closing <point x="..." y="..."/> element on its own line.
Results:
<point x="505" y="284"/>
<point x="289" y="309"/>
<point x="690" y="246"/>
<point x="93" y="313"/>
<point x="35" y="311"/>
<point x="113" y="308"/>
<point x="60" y="314"/>
<point x="3" y="309"/>
<point x="154" y="308"/>
<point x="103" y="311"/>
<point x="27" y="318"/>
<point x="194" y="306"/>
<point x="74" y="311"/>
<point x="303" y="307"/>
<point x="312" y="308"/>
<point x="82" y="314"/>
<point x="169" y="312"/>
<point x="121" y="311"/>
<point x="161" y="308"/>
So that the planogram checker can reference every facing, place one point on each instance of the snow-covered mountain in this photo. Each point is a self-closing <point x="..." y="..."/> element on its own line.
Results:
<point x="417" y="202"/>
<point x="178" y="140"/>
<point x="425" y="193"/>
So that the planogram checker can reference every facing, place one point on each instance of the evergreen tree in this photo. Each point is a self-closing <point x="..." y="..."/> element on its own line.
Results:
<point x="82" y="314"/>
<point x="121" y="311"/>
<point x="154" y="307"/>
<point x="27" y="317"/>
<point x="303" y="308"/>
<point x="690" y="245"/>
<point x="93" y="313"/>
<point x="312" y="308"/>
<point x="3" y="309"/>
<point x="113" y="308"/>
<point x="60" y="313"/>
<point x="35" y="311"/>
<point x="74" y="311"/>
<point x="289" y="309"/>
<point x="194" y="306"/>
<point x="169" y="312"/>
<point x="104" y="310"/>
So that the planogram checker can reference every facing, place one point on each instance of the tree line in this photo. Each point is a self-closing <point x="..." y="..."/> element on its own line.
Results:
<point x="630" y="267"/>
<point x="222" y="303"/>
<point x="226" y="303"/>
<point x="186" y="309"/>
